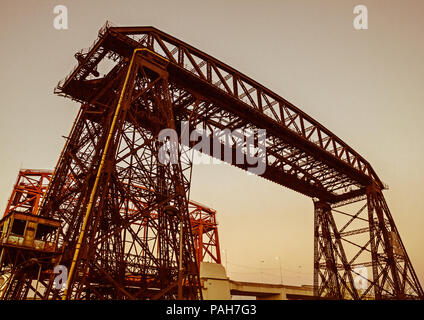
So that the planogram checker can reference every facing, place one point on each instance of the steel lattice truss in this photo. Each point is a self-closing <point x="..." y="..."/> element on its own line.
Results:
<point x="135" y="81"/>
<point x="31" y="185"/>
<point x="301" y="153"/>
<point x="358" y="252"/>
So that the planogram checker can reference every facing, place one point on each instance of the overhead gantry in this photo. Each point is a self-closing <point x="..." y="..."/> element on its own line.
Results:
<point x="135" y="81"/>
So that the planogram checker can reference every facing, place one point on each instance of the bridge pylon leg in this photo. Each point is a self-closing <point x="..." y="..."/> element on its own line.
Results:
<point x="358" y="252"/>
<point x="392" y="271"/>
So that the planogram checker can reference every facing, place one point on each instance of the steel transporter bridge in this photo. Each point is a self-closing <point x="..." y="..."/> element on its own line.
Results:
<point x="118" y="219"/>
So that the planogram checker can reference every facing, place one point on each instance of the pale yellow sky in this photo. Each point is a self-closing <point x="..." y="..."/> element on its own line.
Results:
<point x="365" y="86"/>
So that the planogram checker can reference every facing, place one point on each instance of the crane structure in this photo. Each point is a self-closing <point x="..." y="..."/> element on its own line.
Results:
<point x="125" y="214"/>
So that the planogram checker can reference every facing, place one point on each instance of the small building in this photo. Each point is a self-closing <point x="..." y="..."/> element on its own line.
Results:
<point x="28" y="231"/>
<point x="217" y="286"/>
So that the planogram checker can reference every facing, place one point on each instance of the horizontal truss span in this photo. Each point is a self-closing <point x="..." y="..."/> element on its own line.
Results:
<point x="301" y="153"/>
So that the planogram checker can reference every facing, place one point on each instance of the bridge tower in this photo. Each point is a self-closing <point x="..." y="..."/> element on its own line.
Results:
<point x="358" y="252"/>
<point x="108" y="255"/>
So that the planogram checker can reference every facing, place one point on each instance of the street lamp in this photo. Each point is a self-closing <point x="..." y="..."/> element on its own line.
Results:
<point x="226" y="260"/>
<point x="262" y="276"/>
<point x="300" y="275"/>
<point x="281" y="270"/>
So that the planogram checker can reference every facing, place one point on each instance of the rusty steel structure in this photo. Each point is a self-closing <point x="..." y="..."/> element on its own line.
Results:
<point x="28" y="191"/>
<point x="133" y="82"/>
<point x="26" y="197"/>
<point x="31" y="185"/>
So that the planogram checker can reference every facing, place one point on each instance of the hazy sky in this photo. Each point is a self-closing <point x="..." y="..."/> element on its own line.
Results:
<point x="365" y="86"/>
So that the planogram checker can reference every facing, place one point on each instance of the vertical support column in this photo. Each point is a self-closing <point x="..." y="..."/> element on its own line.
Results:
<point x="373" y="246"/>
<point x="393" y="274"/>
<point x="335" y="280"/>
<point x="316" y="251"/>
<point x="326" y="282"/>
<point x="372" y="240"/>
<point x="176" y="186"/>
